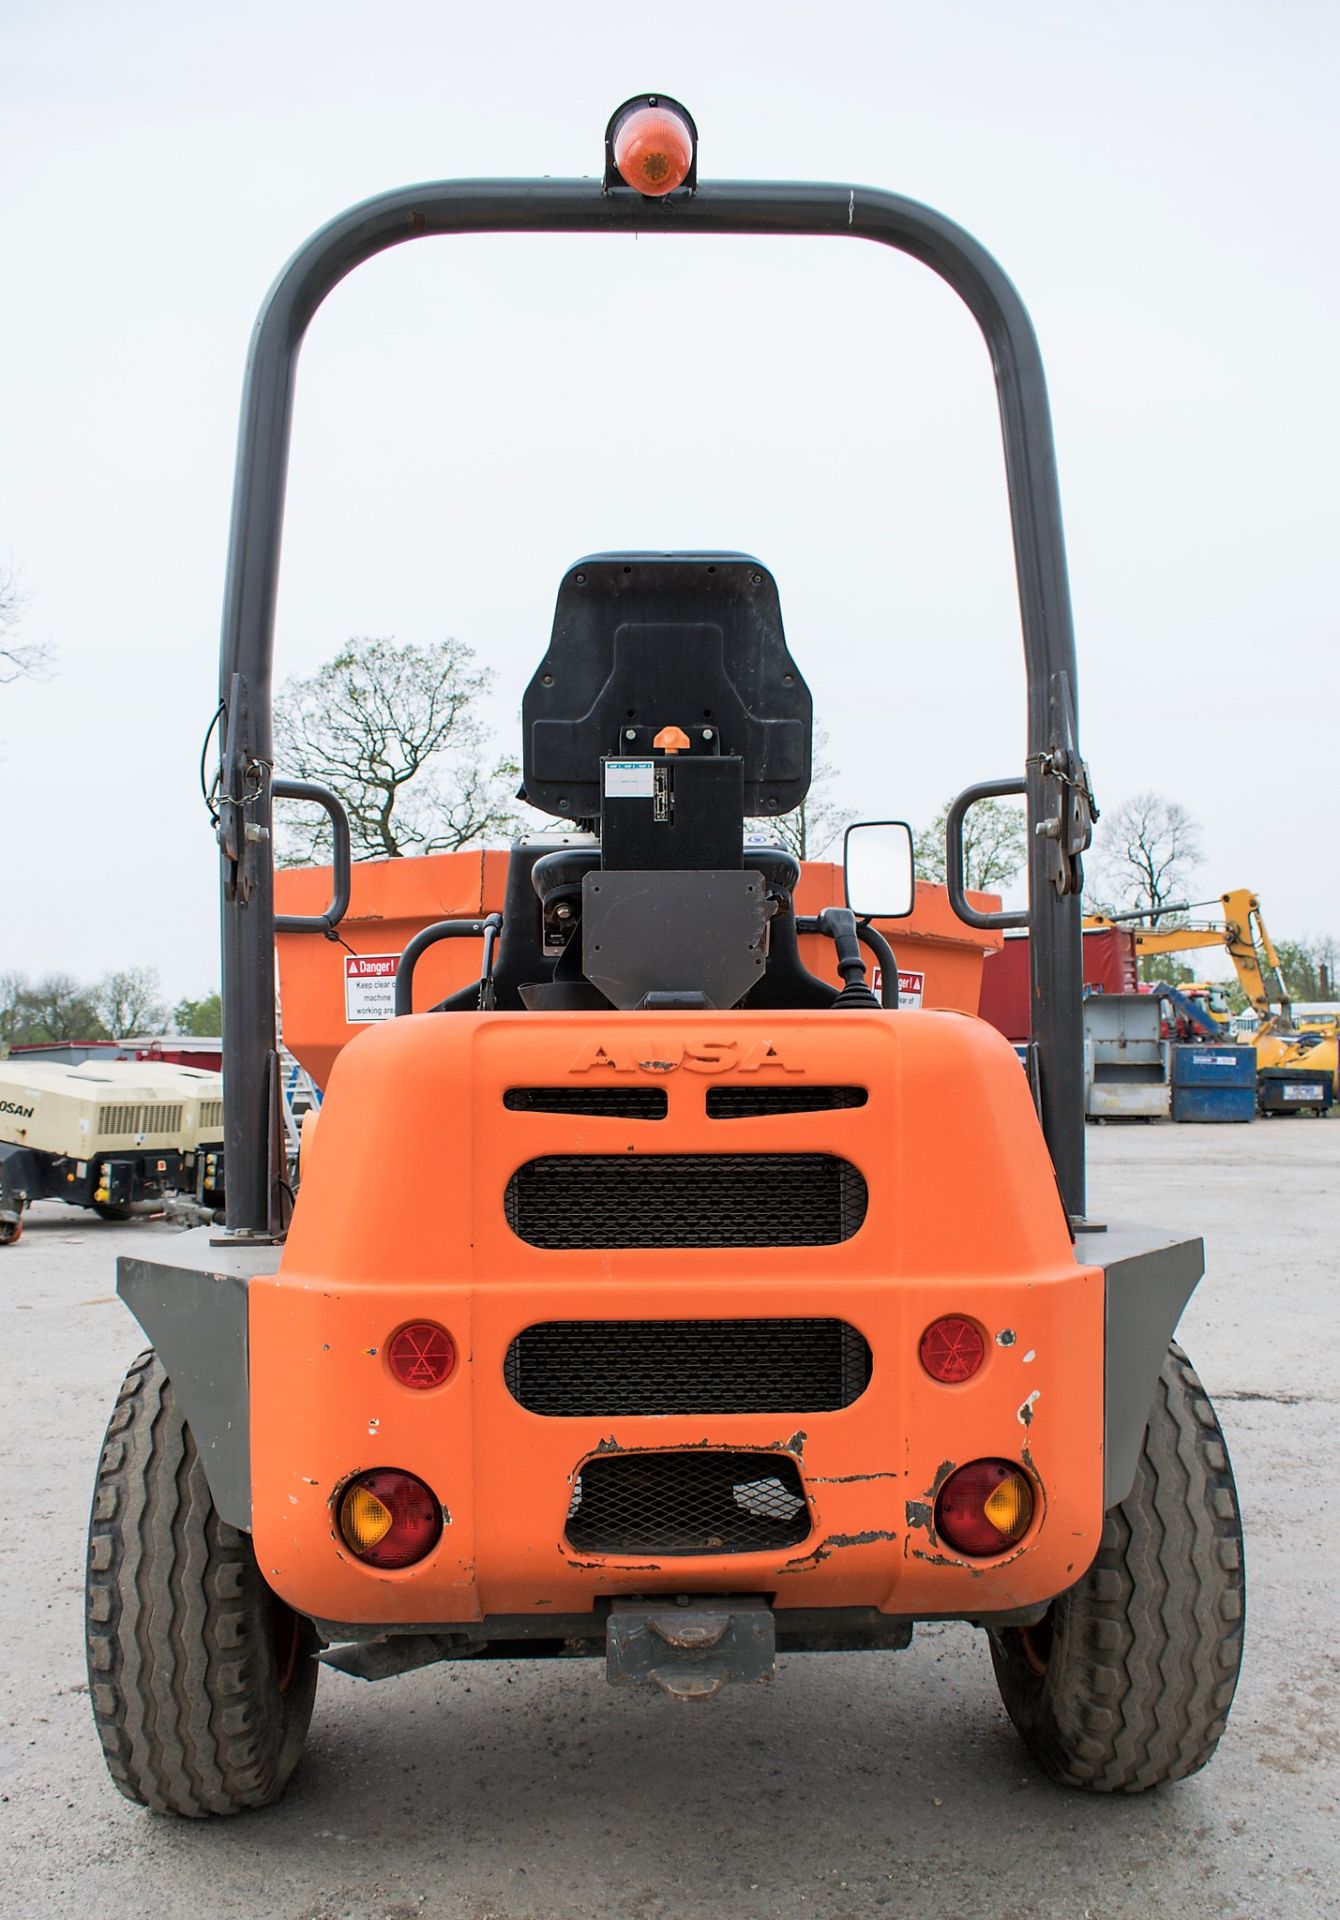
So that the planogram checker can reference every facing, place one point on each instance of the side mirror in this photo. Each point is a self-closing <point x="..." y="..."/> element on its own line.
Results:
<point x="878" y="871"/>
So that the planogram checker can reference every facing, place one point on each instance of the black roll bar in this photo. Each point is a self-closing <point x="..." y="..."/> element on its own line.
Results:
<point x="1057" y="787"/>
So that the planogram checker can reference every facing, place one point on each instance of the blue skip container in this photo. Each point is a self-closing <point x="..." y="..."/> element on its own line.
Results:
<point x="1213" y="1083"/>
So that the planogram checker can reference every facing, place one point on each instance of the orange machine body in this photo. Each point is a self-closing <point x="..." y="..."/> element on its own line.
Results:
<point x="401" y="1217"/>
<point x="392" y="900"/>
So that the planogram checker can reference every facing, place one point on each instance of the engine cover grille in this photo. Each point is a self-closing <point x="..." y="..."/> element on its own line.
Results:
<point x="748" y="1103"/>
<point x="686" y="1200"/>
<point x="569" y="1368"/>
<point x="687" y="1503"/>
<point x="615" y="1103"/>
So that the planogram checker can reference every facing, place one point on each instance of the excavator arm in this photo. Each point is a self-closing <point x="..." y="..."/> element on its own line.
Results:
<point x="1243" y="932"/>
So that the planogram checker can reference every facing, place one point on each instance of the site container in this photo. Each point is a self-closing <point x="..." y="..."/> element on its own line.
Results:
<point x="329" y="991"/>
<point x="1109" y="967"/>
<point x="1213" y="1083"/>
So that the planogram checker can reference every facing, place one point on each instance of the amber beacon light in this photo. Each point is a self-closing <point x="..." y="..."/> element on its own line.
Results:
<point x="651" y="145"/>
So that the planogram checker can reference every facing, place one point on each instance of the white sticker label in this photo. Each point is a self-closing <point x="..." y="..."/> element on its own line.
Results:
<point x="629" y="779"/>
<point x="911" y="986"/>
<point x="369" y="987"/>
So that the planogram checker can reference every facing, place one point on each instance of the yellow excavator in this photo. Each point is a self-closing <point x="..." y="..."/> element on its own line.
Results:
<point x="1282" y="1048"/>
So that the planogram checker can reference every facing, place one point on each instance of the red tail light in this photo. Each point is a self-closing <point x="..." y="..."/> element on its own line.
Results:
<point x="653" y="150"/>
<point x="984" y="1508"/>
<point x="389" y="1519"/>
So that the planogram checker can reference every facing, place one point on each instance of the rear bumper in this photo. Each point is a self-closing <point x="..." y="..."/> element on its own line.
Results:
<point x="324" y="1407"/>
<point x="200" y="1313"/>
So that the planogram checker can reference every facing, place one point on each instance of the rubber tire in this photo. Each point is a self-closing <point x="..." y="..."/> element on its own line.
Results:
<point x="185" y="1640"/>
<point x="1144" y="1652"/>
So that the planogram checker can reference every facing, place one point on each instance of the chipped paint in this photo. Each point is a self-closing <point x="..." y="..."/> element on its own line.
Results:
<point x="606" y="1566"/>
<point x="865" y="1539"/>
<point x="919" y="1513"/>
<point x="806" y="1562"/>
<point x="658" y="1066"/>
<point x="609" y="1445"/>
<point x="1006" y="1337"/>
<point x="848" y="1479"/>
<point x="1026" y="1411"/>
<point x="1030" y="1356"/>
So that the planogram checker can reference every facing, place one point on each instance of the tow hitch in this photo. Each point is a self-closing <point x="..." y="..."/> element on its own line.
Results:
<point x="690" y="1647"/>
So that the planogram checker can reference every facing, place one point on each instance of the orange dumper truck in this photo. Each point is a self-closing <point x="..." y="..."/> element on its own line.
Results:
<point x="680" y="1273"/>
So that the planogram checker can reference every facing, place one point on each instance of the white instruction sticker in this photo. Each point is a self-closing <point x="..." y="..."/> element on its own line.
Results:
<point x="629" y="779"/>
<point x="369" y="987"/>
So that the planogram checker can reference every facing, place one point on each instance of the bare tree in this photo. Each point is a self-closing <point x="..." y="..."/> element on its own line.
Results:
<point x="1147" y="850"/>
<point x="810" y="829"/>
<point x="393" y="731"/>
<point x="131" y="1001"/>
<point x="18" y="658"/>
<point x="995" y="845"/>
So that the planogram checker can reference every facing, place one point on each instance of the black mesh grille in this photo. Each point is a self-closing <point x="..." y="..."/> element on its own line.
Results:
<point x="695" y="1502"/>
<point x="618" y="1103"/>
<point x="608" y="1367"/>
<point x="686" y="1200"/>
<point x="746" y="1103"/>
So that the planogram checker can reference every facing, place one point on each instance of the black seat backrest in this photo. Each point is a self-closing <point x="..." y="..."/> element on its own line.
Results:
<point x="643" y="641"/>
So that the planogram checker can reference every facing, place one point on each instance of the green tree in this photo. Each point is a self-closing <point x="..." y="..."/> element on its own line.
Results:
<point x="131" y="1001"/>
<point x="394" y="732"/>
<point x="57" y="1007"/>
<point x="995" y="845"/>
<point x="1309" y="967"/>
<point x="201" y="1018"/>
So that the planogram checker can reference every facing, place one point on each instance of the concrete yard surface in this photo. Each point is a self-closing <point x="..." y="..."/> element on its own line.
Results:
<point x="858" y="1785"/>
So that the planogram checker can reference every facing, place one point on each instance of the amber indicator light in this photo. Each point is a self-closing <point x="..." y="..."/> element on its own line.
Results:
<point x="984" y="1508"/>
<point x="389" y="1519"/>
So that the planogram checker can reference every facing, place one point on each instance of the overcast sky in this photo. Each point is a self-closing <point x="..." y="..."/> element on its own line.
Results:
<point x="1158" y="179"/>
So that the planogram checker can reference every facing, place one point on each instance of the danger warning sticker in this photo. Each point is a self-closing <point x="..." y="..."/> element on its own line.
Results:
<point x="369" y="987"/>
<point x="911" y="986"/>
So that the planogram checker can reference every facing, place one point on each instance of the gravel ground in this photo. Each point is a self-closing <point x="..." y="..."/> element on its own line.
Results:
<point x="860" y="1785"/>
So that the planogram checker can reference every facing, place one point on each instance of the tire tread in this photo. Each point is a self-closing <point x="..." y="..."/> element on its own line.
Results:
<point x="1146" y="1648"/>
<point x="181" y="1662"/>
